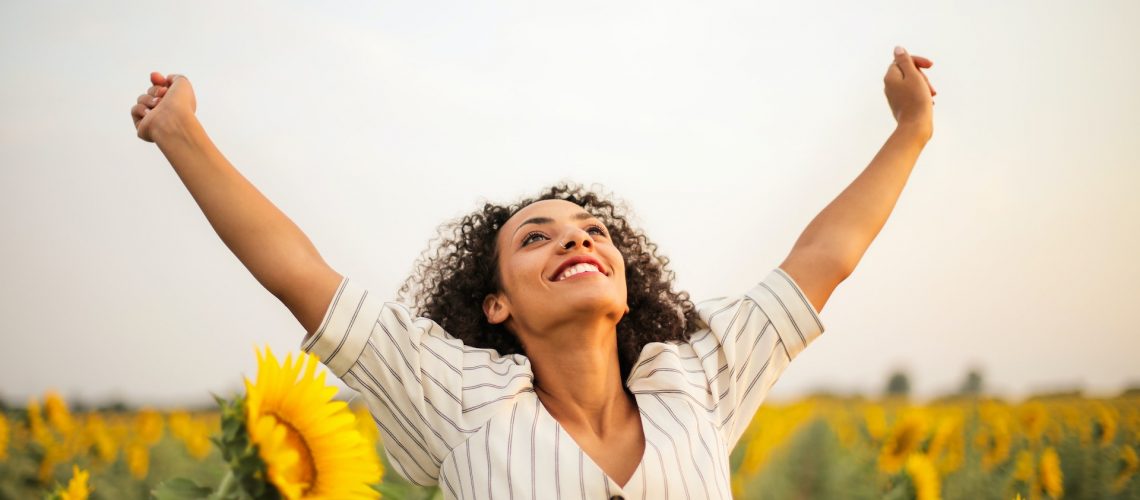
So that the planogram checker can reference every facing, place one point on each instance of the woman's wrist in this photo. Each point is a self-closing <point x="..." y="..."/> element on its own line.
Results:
<point x="919" y="131"/>
<point x="177" y="129"/>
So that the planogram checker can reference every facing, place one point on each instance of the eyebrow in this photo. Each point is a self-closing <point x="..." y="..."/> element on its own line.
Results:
<point x="548" y="220"/>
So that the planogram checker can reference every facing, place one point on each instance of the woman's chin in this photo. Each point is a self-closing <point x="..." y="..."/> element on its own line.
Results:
<point x="591" y="303"/>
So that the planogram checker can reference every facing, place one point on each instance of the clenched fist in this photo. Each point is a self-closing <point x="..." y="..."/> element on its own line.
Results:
<point x="908" y="91"/>
<point x="168" y="100"/>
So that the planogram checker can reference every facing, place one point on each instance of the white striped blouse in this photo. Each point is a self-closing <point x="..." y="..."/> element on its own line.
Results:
<point x="468" y="419"/>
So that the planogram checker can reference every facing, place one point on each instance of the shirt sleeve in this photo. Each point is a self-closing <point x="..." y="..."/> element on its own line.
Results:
<point x="750" y="341"/>
<point x="425" y="389"/>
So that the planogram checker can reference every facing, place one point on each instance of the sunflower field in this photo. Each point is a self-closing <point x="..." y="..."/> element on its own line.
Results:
<point x="819" y="447"/>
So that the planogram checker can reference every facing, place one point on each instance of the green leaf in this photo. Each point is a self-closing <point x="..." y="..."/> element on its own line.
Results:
<point x="230" y="427"/>
<point x="389" y="490"/>
<point x="180" y="488"/>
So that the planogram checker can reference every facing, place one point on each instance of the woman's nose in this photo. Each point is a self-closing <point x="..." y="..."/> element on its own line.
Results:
<point x="576" y="237"/>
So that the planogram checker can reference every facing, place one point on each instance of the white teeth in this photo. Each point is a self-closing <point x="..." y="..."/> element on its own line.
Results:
<point x="575" y="269"/>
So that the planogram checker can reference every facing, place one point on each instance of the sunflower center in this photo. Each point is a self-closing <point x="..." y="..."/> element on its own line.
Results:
<point x="906" y="440"/>
<point x="306" y="471"/>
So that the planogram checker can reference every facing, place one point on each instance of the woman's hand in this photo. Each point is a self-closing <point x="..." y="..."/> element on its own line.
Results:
<point x="909" y="93"/>
<point x="168" y="100"/>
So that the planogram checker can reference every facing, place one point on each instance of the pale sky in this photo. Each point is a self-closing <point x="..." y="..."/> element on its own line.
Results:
<point x="727" y="126"/>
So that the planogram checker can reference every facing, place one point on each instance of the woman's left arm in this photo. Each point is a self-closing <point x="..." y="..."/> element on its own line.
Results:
<point x="834" y="242"/>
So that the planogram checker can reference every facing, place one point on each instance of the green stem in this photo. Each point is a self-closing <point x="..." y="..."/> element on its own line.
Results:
<point x="228" y="486"/>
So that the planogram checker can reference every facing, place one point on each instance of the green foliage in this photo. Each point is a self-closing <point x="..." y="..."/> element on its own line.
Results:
<point x="393" y="486"/>
<point x="813" y="465"/>
<point x="180" y="489"/>
<point x="247" y="478"/>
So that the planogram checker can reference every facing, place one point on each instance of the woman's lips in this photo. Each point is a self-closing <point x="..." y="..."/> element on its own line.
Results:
<point x="586" y="273"/>
<point x="577" y="261"/>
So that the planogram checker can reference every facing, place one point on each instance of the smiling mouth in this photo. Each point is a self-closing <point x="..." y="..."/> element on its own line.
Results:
<point x="582" y="268"/>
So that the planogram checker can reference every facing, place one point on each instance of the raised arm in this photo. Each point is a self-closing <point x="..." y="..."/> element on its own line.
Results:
<point x="835" y="241"/>
<point x="268" y="243"/>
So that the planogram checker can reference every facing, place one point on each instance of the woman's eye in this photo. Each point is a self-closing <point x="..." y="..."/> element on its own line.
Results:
<point x="531" y="237"/>
<point x="597" y="229"/>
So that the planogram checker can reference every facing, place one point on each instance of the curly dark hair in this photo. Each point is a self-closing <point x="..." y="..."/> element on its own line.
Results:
<point x="460" y="268"/>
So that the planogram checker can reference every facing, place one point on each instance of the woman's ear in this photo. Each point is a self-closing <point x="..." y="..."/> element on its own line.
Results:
<point x="495" y="308"/>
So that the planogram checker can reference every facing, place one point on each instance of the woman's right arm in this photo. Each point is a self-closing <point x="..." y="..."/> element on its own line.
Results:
<point x="277" y="253"/>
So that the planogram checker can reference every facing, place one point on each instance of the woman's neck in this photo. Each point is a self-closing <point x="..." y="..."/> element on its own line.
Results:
<point x="578" y="376"/>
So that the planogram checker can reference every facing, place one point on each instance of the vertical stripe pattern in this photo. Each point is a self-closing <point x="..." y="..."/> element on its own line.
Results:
<point x="468" y="419"/>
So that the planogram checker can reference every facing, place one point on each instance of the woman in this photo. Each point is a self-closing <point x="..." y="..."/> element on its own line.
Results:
<point x="547" y="355"/>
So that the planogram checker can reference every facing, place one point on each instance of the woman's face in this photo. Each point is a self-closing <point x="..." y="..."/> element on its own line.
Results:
<point x="556" y="264"/>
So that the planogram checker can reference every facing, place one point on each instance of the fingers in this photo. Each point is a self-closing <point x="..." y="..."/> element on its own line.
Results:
<point x="932" y="91"/>
<point x="903" y="60"/>
<point x="158" y="80"/>
<point x="907" y="66"/>
<point x="138" y="112"/>
<point x="894" y="72"/>
<point x="154" y="94"/>
<point x="160" y="85"/>
<point x="922" y="62"/>
<point x="148" y="100"/>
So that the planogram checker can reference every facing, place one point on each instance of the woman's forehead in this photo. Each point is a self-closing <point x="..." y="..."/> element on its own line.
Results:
<point x="541" y="212"/>
<point x="554" y="209"/>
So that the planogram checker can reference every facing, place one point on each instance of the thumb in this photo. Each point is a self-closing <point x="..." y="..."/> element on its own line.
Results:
<point x="903" y="60"/>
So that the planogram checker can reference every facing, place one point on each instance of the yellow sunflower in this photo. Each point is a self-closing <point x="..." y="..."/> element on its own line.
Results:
<point x="77" y="488"/>
<point x="1023" y="468"/>
<point x="905" y="438"/>
<point x="947" y="446"/>
<point x="1129" y="464"/>
<point x="138" y="459"/>
<point x="96" y="433"/>
<point x="927" y="484"/>
<point x="875" y="420"/>
<point x="309" y="443"/>
<point x="3" y="438"/>
<point x="57" y="414"/>
<point x="148" y="426"/>
<point x="1033" y="418"/>
<point x="1104" y="424"/>
<point x="1050" y="473"/>
<point x="995" y="441"/>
